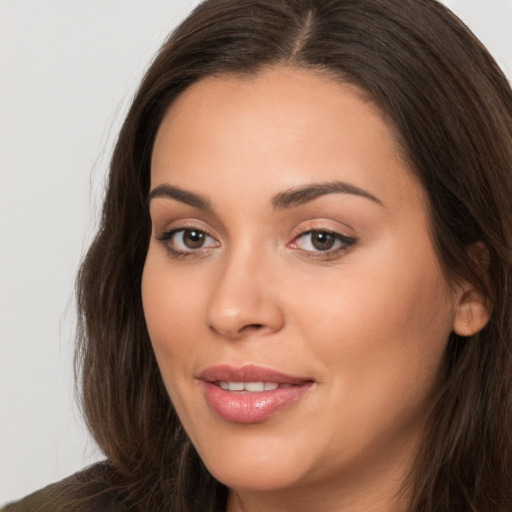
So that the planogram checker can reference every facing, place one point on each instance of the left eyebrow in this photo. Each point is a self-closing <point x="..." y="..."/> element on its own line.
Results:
<point x="304" y="194"/>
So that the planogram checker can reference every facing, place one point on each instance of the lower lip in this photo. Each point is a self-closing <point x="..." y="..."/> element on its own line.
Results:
<point x="250" y="407"/>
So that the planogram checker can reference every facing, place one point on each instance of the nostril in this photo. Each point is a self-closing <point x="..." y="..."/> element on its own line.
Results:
<point x="245" y="329"/>
<point x="252" y="327"/>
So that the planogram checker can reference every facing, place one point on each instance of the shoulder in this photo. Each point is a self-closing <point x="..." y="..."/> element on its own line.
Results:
<point x="91" y="490"/>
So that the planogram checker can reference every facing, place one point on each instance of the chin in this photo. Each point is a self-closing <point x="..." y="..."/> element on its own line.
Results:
<point x="253" y="468"/>
<point x="255" y="478"/>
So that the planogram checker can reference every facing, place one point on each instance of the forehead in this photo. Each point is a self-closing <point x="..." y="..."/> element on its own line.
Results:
<point x="283" y="126"/>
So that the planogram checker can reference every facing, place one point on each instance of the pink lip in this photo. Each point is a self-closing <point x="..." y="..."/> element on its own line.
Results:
<point x="251" y="407"/>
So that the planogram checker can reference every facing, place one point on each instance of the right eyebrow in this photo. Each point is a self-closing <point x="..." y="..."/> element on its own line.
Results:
<point x="183" y="196"/>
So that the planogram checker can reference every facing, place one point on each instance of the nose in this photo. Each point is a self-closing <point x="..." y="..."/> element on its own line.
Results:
<point x="244" y="300"/>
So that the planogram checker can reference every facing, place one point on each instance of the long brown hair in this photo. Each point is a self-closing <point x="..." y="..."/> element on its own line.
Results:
<point x="451" y="109"/>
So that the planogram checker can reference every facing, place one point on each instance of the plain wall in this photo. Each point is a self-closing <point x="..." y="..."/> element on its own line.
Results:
<point x="67" y="71"/>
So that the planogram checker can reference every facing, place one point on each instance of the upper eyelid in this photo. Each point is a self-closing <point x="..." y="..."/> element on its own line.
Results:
<point x="323" y="224"/>
<point x="320" y="230"/>
<point x="185" y="223"/>
<point x="163" y="213"/>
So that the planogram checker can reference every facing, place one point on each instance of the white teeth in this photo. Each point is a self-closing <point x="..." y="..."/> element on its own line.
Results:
<point x="236" y="386"/>
<point x="257" y="387"/>
<point x="254" y="387"/>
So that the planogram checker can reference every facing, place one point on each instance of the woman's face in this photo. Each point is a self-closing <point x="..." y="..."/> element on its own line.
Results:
<point x="291" y="263"/>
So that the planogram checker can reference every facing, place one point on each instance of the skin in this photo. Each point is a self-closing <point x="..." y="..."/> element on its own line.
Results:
<point x="368" y="322"/>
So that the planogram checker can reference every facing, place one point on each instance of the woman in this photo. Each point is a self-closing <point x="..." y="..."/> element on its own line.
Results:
<point x="298" y="297"/>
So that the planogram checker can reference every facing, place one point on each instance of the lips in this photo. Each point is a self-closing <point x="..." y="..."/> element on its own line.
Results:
<point x="250" y="394"/>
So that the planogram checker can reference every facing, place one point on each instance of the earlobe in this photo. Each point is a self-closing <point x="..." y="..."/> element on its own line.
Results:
<point x="472" y="312"/>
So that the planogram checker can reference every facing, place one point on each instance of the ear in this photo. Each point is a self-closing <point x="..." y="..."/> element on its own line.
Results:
<point x="472" y="312"/>
<point x="472" y="308"/>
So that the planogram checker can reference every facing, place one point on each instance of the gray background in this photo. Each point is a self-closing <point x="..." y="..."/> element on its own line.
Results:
<point x="68" y="69"/>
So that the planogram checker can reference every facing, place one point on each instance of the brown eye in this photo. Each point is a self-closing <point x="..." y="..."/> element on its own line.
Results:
<point x="318" y="241"/>
<point x="187" y="240"/>
<point x="192" y="238"/>
<point x="322" y="240"/>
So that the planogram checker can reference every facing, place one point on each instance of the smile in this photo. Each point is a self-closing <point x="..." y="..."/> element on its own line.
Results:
<point x="250" y="394"/>
<point x="251" y="387"/>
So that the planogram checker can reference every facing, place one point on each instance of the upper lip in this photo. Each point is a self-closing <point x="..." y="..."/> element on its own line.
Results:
<point x="249" y="373"/>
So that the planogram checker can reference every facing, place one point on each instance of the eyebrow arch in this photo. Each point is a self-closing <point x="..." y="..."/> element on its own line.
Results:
<point x="304" y="194"/>
<point x="183" y="196"/>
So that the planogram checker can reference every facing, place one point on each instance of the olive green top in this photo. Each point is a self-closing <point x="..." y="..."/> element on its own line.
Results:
<point x="90" y="490"/>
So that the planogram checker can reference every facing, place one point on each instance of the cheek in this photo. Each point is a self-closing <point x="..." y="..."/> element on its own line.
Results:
<point x="172" y="312"/>
<point x="381" y="328"/>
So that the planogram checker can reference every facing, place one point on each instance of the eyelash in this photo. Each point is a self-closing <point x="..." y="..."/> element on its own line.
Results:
<point x="345" y="242"/>
<point x="166" y="239"/>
